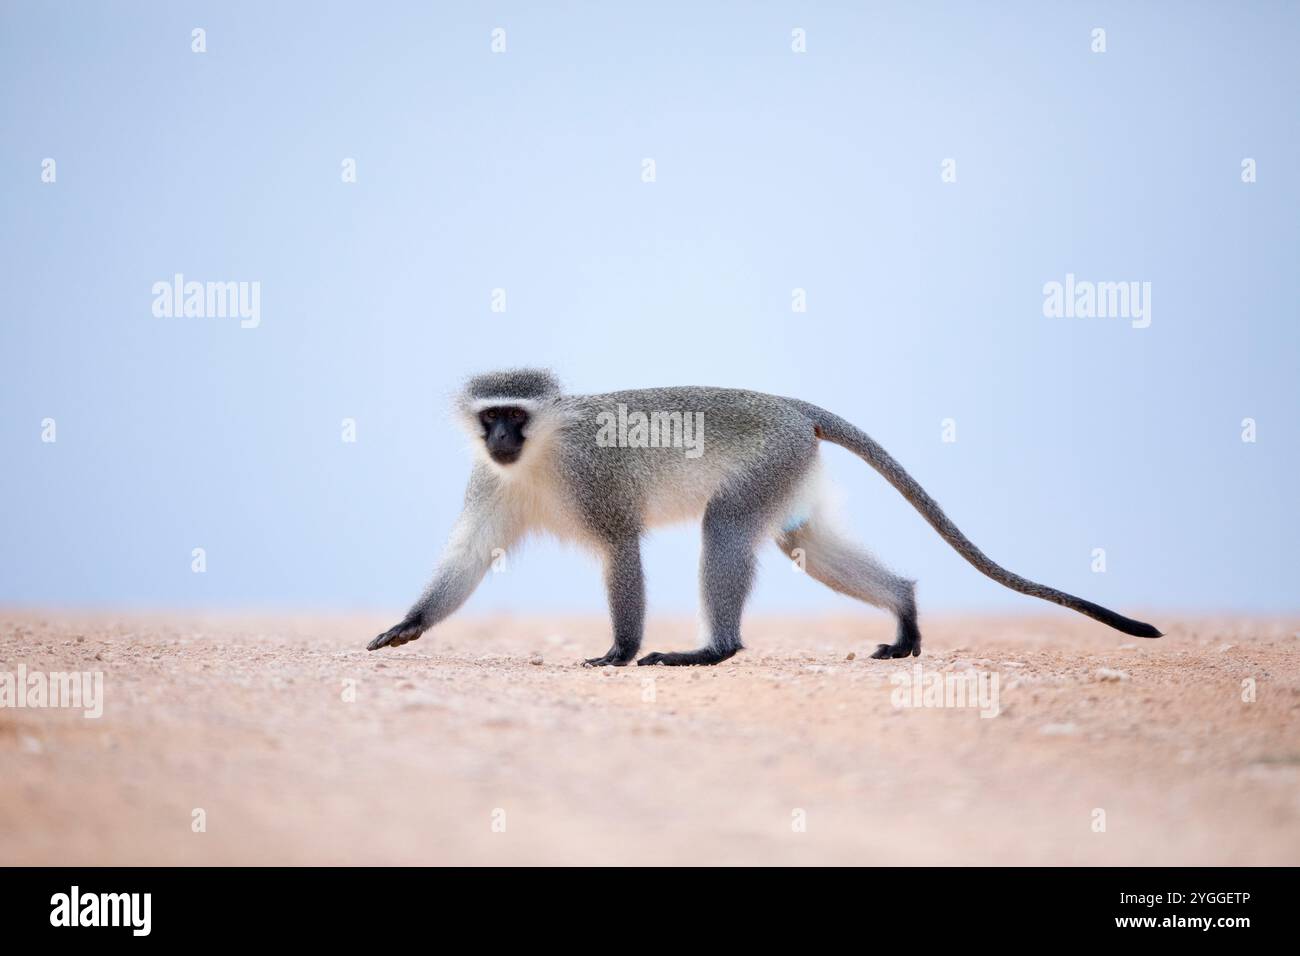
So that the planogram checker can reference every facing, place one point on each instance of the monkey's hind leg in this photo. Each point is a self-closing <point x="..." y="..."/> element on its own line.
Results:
<point x="848" y="569"/>
<point x="726" y="575"/>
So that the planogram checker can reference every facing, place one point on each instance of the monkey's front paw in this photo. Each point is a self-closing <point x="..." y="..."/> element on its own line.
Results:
<point x="396" y="636"/>
<point x="889" y="651"/>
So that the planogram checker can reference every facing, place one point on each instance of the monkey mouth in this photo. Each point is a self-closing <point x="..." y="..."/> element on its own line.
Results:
<point x="505" y="456"/>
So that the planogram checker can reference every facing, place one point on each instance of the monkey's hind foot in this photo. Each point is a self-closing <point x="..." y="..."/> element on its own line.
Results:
<point x="886" y="651"/>
<point x="706" y="655"/>
<point x="906" y="644"/>
<point x="613" y="657"/>
<point x="397" y="635"/>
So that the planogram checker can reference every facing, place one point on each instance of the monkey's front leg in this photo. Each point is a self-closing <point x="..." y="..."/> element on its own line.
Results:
<point x="626" y="586"/>
<point x="484" y="529"/>
<point x="455" y="580"/>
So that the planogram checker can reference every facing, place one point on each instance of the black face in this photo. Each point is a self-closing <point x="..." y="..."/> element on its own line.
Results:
<point x="503" y="432"/>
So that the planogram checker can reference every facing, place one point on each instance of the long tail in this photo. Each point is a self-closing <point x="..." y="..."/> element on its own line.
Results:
<point x="835" y="429"/>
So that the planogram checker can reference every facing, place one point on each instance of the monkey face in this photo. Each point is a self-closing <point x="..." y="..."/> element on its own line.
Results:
<point x="503" y="432"/>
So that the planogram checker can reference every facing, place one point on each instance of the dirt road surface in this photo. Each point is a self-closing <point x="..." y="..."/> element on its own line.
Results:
<point x="486" y="743"/>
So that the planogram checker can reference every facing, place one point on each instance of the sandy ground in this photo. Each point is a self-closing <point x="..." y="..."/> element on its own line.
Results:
<point x="485" y="742"/>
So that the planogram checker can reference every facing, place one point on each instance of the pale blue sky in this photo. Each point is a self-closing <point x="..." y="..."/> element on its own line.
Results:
<point x="523" y="170"/>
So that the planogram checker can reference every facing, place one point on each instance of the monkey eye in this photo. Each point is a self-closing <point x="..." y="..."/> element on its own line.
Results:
<point x="517" y="415"/>
<point x="490" y="415"/>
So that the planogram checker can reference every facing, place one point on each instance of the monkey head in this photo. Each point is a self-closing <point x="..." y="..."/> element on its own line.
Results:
<point x="502" y="410"/>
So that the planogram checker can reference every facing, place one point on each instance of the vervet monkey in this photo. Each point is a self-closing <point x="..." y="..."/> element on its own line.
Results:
<point x="601" y="469"/>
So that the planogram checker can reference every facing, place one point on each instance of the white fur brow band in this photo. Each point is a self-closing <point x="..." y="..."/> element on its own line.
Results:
<point x="531" y="404"/>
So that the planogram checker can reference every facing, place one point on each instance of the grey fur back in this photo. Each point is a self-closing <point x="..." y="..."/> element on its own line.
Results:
<point x="742" y="431"/>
